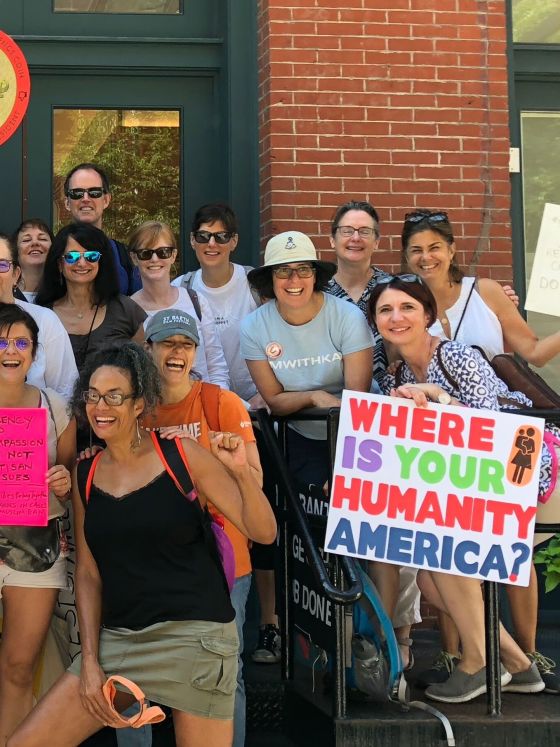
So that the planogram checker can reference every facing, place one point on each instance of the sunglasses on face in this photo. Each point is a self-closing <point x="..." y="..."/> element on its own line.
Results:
<point x="406" y="278"/>
<point x="20" y="343"/>
<point x="365" y="232"/>
<point x="78" y="193"/>
<point x="163" y="252"/>
<point x="220" y="237"/>
<point x="285" y="271"/>
<point x="6" y="265"/>
<point x="72" y="257"/>
<point x="112" y="399"/>
<point x="436" y="217"/>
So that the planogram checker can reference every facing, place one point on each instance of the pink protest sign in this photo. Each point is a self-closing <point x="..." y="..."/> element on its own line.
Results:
<point x="24" y="495"/>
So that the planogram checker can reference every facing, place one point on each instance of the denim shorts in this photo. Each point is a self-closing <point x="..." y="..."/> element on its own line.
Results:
<point x="190" y="665"/>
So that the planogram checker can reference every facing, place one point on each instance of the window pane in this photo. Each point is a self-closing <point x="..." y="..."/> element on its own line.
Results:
<point x="536" y="21"/>
<point x="163" y="7"/>
<point x="139" y="149"/>
<point x="540" y="141"/>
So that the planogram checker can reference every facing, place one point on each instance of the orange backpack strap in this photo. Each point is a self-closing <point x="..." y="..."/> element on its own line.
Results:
<point x="210" y="399"/>
<point x="161" y="446"/>
<point x="92" y="469"/>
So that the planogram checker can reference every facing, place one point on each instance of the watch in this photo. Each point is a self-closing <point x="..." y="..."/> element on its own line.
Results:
<point x="444" y="398"/>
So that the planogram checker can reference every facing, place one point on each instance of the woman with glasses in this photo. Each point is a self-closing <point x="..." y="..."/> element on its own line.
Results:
<point x="154" y="250"/>
<point x="304" y="346"/>
<point x="80" y="285"/>
<point x="33" y="239"/>
<point x="477" y="312"/>
<point x="29" y="583"/>
<point x="355" y="239"/>
<point x="53" y="364"/>
<point x="153" y="598"/>
<point x="404" y="309"/>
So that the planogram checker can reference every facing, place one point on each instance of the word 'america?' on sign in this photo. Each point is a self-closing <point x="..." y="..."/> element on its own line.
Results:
<point x="450" y="489"/>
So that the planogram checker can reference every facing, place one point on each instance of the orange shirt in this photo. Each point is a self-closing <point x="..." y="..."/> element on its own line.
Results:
<point x="233" y="417"/>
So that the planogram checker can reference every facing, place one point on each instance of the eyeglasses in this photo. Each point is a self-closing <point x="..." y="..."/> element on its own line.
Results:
<point x="406" y="278"/>
<point x="6" y="265"/>
<point x="72" y="257"/>
<point x="162" y="252"/>
<point x="78" y="193"/>
<point x="436" y="217"/>
<point x="113" y="399"/>
<point x="347" y="231"/>
<point x="20" y="343"/>
<point x="285" y="271"/>
<point x="220" y="237"/>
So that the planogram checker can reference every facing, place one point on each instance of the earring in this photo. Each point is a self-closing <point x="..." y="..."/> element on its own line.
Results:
<point x="138" y="434"/>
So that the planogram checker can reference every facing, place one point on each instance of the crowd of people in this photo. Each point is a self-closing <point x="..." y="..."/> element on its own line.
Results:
<point x="148" y="380"/>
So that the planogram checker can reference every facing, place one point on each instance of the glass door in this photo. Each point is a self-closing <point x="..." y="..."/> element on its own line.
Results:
<point x="158" y="139"/>
<point x="539" y="113"/>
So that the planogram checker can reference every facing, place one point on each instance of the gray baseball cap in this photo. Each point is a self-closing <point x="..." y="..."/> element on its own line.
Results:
<point x="169" y="322"/>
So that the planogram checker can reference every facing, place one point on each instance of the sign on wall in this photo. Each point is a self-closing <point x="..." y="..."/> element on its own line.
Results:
<point x="543" y="295"/>
<point x="15" y="87"/>
<point x="442" y="488"/>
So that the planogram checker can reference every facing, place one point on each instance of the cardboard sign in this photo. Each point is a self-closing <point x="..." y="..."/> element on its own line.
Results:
<point x="15" y="87"/>
<point x="443" y="488"/>
<point x="24" y="495"/>
<point x="543" y="295"/>
<point x="313" y="611"/>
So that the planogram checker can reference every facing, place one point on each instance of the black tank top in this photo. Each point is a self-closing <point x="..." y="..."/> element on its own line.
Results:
<point x="153" y="558"/>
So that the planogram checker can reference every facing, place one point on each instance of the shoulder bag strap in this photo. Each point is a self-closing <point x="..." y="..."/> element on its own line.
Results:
<point x="51" y="411"/>
<point x="175" y="462"/>
<point x="464" y="309"/>
<point x="210" y="400"/>
<point x="193" y="295"/>
<point x="444" y="368"/>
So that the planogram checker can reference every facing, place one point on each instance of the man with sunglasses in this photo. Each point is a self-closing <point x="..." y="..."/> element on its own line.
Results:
<point x="87" y="196"/>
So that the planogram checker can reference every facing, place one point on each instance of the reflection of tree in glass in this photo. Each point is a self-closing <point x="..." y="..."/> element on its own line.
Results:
<point x="536" y="21"/>
<point x="142" y="163"/>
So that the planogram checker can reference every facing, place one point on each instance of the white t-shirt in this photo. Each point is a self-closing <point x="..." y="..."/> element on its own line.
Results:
<point x="54" y="365"/>
<point x="209" y="363"/>
<point x="230" y="303"/>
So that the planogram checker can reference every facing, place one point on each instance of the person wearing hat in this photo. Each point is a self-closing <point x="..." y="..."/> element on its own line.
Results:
<point x="304" y="347"/>
<point x="194" y="408"/>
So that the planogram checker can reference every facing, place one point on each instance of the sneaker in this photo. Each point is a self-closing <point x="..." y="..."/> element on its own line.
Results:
<point x="546" y="669"/>
<point x="439" y="672"/>
<point x="527" y="681"/>
<point x="268" y="648"/>
<point x="462" y="687"/>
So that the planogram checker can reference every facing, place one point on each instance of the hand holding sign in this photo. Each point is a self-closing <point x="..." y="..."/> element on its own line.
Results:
<point x="441" y="488"/>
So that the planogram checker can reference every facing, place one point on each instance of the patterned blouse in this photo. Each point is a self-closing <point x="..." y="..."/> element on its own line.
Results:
<point x="468" y="377"/>
<point x="379" y="354"/>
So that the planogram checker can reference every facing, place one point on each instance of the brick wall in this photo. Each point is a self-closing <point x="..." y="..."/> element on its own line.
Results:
<point x="406" y="107"/>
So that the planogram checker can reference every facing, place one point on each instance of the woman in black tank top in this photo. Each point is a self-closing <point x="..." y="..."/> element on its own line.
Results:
<point x="152" y="599"/>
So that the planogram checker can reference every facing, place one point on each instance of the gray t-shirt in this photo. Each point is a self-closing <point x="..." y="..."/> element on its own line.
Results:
<point x="307" y="356"/>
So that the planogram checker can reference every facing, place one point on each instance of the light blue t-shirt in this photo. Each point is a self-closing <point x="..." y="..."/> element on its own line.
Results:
<point x="307" y="356"/>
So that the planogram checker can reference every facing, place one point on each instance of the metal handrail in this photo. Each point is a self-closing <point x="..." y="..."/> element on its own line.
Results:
<point x="317" y="564"/>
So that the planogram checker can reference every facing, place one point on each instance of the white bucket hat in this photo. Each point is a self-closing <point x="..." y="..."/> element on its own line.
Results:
<point x="290" y="246"/>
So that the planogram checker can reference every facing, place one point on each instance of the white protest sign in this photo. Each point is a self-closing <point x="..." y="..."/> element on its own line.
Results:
<point x="543" y="295"/>
<point x="443" y="488"/>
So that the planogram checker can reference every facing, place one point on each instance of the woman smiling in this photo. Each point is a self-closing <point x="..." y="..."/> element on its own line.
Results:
<point x="304" y="346"/>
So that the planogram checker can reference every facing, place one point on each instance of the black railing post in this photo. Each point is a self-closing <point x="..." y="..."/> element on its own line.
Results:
<point x="286" y="611"/>
<point x="492" y="627"/>
<point x="339" y="704"/>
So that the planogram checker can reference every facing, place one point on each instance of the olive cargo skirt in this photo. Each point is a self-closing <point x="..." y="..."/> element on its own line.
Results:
<point x="190" y="665"/>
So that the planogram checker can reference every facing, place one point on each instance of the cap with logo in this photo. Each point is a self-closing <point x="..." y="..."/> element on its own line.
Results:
<point x="169" y="322"/>
<point x="290" y="246"/>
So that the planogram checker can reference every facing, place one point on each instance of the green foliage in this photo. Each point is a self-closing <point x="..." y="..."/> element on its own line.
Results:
<point x="550" y="558"/>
